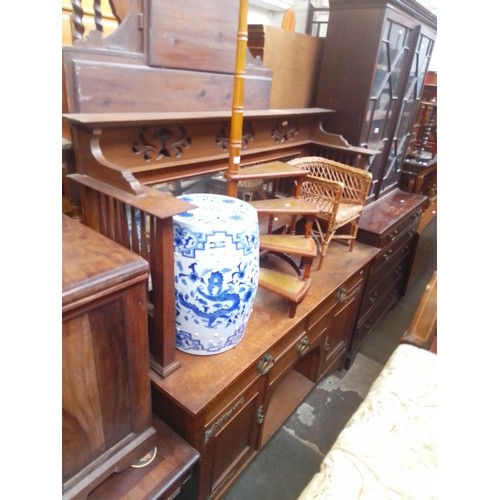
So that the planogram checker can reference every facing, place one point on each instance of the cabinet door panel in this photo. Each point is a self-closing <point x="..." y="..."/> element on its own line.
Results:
<point x="99" y="404"/>
<point x="341" y="325"/>
<point x="233" y="437"/>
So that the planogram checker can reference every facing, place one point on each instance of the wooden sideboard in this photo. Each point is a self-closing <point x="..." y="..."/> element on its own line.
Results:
<point x="106" y="396"/>
<point x="227" y="406"/>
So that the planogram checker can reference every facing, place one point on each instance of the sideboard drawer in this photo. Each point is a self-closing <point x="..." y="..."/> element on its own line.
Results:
<point x="389" y="255"/>
<point x="371" y="297"/>
<point x="280" y="357"/>
<point x="370" y="320"/>
<point x="401" y="227"/>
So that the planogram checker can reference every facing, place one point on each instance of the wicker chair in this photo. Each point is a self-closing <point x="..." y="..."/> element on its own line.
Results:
<point x="339" y="192"/>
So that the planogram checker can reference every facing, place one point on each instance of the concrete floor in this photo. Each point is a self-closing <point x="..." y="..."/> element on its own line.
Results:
<point x="286" y="463"/>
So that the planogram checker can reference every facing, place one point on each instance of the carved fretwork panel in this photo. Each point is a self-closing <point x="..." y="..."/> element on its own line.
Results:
<point x="284" y="131"/>
<point x="161" y="143"/>
<point x="173" y="149"/>
<point x="223" y="136"/>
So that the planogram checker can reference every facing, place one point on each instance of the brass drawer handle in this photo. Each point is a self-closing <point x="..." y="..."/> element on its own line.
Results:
<point x="369" y="324"/>
<point x="342" y="294"/>
<point x="393" y="235"/>
<point x="266" y="363"/>
<point x="303" y="347"/>
<point x="387" y="255"/>
<point x="327" y="344"/>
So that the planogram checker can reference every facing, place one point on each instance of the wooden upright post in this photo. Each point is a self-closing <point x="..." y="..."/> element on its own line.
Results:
<point x="238" y="93"/>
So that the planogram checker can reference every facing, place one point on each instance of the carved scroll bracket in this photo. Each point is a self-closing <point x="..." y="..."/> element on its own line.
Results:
<point x="108" y="172"/>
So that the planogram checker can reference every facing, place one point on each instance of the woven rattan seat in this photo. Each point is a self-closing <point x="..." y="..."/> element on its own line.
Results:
<point x="339" y="192"/>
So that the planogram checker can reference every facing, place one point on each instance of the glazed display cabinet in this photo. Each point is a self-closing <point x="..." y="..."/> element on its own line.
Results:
<point x="375" y="59"/>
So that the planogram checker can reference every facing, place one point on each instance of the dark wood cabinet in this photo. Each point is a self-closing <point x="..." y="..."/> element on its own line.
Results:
<point x="106" y="395"/>
<point x="375" y="59"/>
<point x="390" y="224"/>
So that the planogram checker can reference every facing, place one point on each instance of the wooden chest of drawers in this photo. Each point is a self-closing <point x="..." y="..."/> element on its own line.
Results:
<point x="106" y="395"/>
<point x="390" y="224"/>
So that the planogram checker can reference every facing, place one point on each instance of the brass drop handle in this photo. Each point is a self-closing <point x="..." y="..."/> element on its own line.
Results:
<point x="303" y="346"/>
<point x="416" y="215"/>
<point x="327" y="344"/>
<point x="397" y="271"/>
<point x="342" y="294"/>
<point x="266" y="363"/>
<point x="369" y="324"/>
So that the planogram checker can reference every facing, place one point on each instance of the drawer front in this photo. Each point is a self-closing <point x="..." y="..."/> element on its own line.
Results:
<point x="409" y="222"/>
<point x="372" y="296"/>
<point x="317" y="321"/>
<point x="311" y="332"/>
<point x="368" y="322"/>
<point x="395" y="251"/>
<point x="349" y="291"/>
<point x="290" y="349"/>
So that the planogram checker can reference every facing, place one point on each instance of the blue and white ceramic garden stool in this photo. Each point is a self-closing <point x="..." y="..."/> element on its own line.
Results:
<point x="216" y="259"/>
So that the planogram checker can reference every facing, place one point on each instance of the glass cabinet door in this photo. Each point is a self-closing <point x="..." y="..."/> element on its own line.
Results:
<point x="408" y="109"/>
<point x="389" y="75"/>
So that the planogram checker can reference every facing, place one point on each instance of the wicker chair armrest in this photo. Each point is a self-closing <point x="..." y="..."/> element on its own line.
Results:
<point x="336" y="187"/>
<point x="323" y="193"/>
<point x="356" y="181"/>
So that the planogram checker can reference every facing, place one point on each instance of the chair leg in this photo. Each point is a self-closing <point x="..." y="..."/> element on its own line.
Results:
<point x="354" y="233"/>
<point x="320" y="262"/>
<point x="325" y="243"/>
